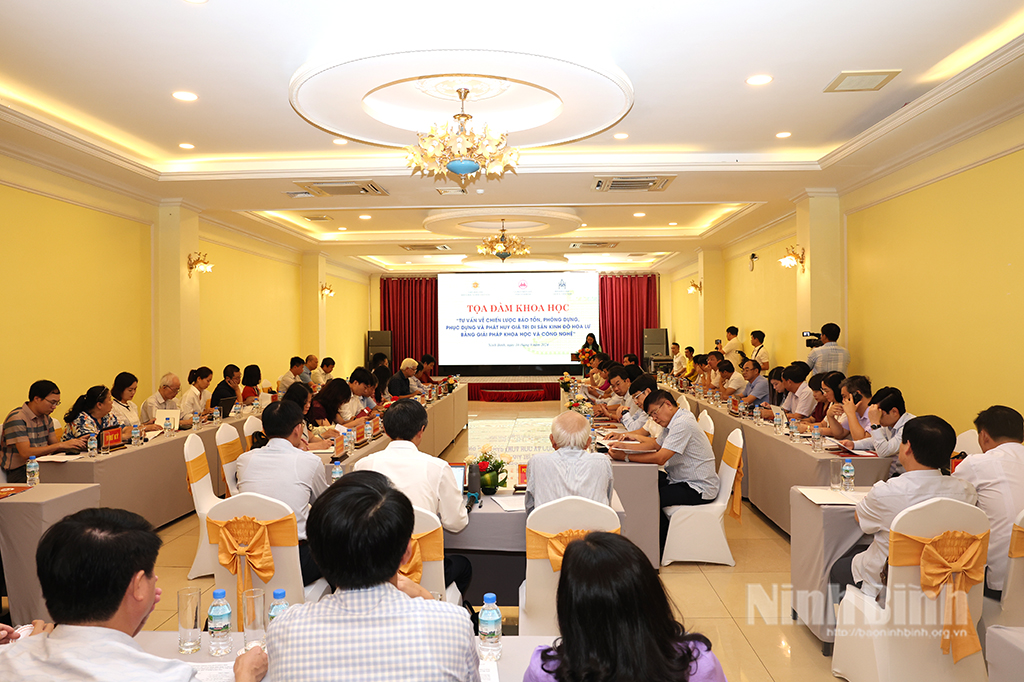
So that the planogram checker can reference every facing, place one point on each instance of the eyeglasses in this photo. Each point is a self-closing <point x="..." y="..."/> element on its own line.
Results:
<point x="55" y="403"/>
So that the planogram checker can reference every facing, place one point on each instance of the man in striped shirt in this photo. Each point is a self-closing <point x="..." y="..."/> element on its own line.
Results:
<point x="28" y="431"/>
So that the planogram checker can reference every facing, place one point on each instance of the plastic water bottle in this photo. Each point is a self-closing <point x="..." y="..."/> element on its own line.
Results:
<point x="219" y="624"/>
<point x="816" y="445"/>
<point x="168" y="427"/>
<point x="794" y="430"/>
<point x="848" y="475"/>
<point x="778" y="424"/>
<point x="256" y="405"/>
<point x="32" y="471"/>
<point x="195" y="419"/>
<point x="136" y="435"/>
<point x="92" y="444"/>
<point x="349" y="439"/>
<point x="236" y="409"/>
<point x="278" y="606"/>
<point x="336" y="471"/>
<point x="368" y="430"/>
<point x="490" y="629"/>
<point x="593" y="440"/>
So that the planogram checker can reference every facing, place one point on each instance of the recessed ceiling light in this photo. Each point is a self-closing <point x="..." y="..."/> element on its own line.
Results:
<point x="364" y="217"/>
<point x="583" y="224"/>
<point x="782" y="136"/>
<point x="428" y="256"/>
<point x="342" y="229"/>
<point x="479" y="191"/>
<point x="408" y="262"/>
<point x="606" y="255"/>
<point x="762" y="79"/>
<point x="672" y="224"/>
<point x="639" y="215"/>
<point x="340" y="140"/>
<point x="186" y="145"/>
<point x="629" y="260"/>
<point x="620" y="136"/>
<point x="185" y="96"/>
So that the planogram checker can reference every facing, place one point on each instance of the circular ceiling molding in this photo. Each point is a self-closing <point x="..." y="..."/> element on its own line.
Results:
<point x="483" y="222"/>
<point x="538" y="262"/>
<point x="383" y="99"/>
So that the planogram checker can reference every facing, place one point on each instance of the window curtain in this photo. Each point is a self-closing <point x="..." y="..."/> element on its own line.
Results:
<point x="628" y="304"/>
<point x="408" y="309"/>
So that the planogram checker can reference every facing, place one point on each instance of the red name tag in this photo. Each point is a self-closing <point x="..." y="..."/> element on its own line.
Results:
<point x="111" y="437"/>
<point x="522" y="474"/>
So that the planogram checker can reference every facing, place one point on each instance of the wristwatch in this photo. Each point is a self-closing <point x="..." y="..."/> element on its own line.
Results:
<point x="875" y="427"/>
<point x="627" y="458"/>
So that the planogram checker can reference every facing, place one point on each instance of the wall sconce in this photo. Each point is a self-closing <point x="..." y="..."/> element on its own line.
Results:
<point x="326" y="290"/>
<point x="199" y="263"/>
<point x="695" y="287"/>
<point x="792" y="257"/>
<point x="753" y="257"/>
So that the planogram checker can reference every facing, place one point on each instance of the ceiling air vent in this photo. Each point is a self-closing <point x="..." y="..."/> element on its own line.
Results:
<point x="427" y="247"/>
<point x="861" y="81"/>
<point x="343" y="188"/>
<point x="632" y="183"/>
<point x="300" y="195"/>
<point x="446" y="191"/>
<point x="593" y="245"/>
<point x="318" y="218"/>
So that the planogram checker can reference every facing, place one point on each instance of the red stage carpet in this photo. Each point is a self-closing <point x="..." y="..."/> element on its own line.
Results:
<point x="514" y="392"/>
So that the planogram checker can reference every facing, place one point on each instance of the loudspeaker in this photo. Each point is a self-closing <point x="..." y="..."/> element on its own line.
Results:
<point x="378" y="342"/>
<point x="655" y="342"/>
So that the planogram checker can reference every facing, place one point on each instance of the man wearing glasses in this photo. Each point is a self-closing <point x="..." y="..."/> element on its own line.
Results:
<point x="28" y="431"/>
<point x="163" y="399"/>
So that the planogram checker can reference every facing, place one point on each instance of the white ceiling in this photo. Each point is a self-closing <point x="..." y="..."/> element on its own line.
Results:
<point x="86" y="90"/>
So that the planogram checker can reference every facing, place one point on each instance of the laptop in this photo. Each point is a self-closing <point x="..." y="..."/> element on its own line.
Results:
<point x="161" y="415"/>
<point x="225" y="406"/>
<point x="777" y="411"/>
<point x="459" y="474"/>
<point x="110" y="439"/>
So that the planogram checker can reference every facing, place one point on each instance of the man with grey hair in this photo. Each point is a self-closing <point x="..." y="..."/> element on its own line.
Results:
<point x="163" y="399"/>
<point x="399" y="386"/>
<point x="570" y="469"/>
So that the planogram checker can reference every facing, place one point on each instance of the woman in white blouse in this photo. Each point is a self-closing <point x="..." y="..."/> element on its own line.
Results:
<point x="196" y="397"/>
<point x="126" y="411"/>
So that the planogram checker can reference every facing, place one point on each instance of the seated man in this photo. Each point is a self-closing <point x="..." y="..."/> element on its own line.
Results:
<point x="632" y="365"/>
<point x="230" y="387"/>
<point x="633" y="417"/>
<point x="96" y="569"/>
<point x="887" y="415"/>
<point x="361" y="404"/>
<point x="570" y="469"/>
<point x="618" y="377"/>
<point x="998" y="476"/>
<point x="850" y="419"/>
<point x="732" y="381"/>
<point x="683" y="449"/>
<point x="713" y="375"/>
<point x="927" y="445"/>
<point x="799" y="400"/>
<point x="756" y="390"/>
<point x="28" y="431"/>
<point x="399" y="386"/>
<point x="324" y="373"/>
<point x="296" y="366"/>
<point x="163" y="399"/>
<point x="281" y="470"/>
<point x="429" y="364"/>
<point x="306" y="376"/>
<point x="415" y="385"/>
<point x="370" y="628"/>
<point x="426" y="480"/>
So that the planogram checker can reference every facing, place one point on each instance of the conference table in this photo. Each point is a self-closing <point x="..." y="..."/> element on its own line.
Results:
<point x="24" y="517"/>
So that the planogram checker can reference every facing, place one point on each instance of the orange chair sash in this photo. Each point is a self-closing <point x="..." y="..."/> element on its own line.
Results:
<point x="427" y="546"/>
<point x="230" y="451"/>
<point x="1016" y="542"/>
<point x="733" y="456"/>
<point x="244" y="547"/>
<point x="955" y="559"/>
<point x="711" y="437"/>
<point x="248" y="442"/>
<point x="195" y="469"/>
<point x="551" y="546"/>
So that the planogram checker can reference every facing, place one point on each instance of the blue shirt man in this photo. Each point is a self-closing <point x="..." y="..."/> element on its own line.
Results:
<point x="756" y="390"/>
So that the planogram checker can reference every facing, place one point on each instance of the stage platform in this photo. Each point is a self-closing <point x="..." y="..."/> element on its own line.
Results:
<point x="513" y="388"/>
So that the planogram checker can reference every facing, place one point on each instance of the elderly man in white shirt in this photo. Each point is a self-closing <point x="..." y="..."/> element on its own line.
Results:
<point x="998" y="475"/>
<point x="928" y="443"/>
<point x="886" y="415"/>
<point x="284" y="472"/>
<point x="163" y="399"/>
<point x="570" y="469"/>
<point x="426" y="480"/>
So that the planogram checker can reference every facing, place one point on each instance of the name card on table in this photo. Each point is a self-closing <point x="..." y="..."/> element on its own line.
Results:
<point x="111" y="437"/>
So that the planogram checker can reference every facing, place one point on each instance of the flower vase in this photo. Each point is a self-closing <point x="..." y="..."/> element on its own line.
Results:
<point x="489" y="482"/>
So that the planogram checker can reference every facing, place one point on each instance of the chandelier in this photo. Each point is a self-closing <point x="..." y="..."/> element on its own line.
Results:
<point x="461" y="150"/>
<point x="503" y="245"/>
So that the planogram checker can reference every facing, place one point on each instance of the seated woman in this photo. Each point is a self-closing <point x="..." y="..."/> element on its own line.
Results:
<point x="91" y="414"/>
<point x="383" y="375"/>
<point x="196" y="396"/>
<point x="414" y="381"/>
<point x="602" y="388"/>
<point x="828" y="388"/>
<point x="617" y="623"/>
<point x="332" y="406"/>
<point x="776" y="394"/>
<point x="126" y="411"/>
<point x="251" y="380"/>
<point x="300" y="394"/>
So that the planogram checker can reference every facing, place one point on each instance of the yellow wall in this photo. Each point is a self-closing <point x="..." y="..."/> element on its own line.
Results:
<point x="685" y="329"/>
<point x="348" y="320"/>
<point x="764" y="298"/>
<point x="936" y="292"/>
<point x="77" y="297"/>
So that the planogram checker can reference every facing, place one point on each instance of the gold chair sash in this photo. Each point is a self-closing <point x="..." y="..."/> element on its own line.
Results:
<point x="425" y="547"/>
<point x="551" y="546"/>
<point x="711" y="437"/>
<point x="244" y="545"/>
<point x="248" y="442"/>
<point x="733" y="456"/>
<point x="955" y="559"/>
<point x="195" y="469"/>
<point x="228" y="453"/>
<point x="1016" y="542"/>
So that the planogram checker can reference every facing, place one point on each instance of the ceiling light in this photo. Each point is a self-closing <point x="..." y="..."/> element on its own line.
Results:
<point x="185" y="96"/>
<point x="620" y="136"/>
<point x="340" y="140"/>
<point x="639" y="215"/>
<point x="629" y="260"/>
<point x="408" y="262"/>
<point x="503" y="245"/>
<point x="583" y="224"/>
<point x="364" y="217"/>
<point x="672" y="224"/>
<point x="428" y="256"/>
<point x="606" y="255"/>
<point x="461" y="151"/>
<point x="342" y="229"/>
<point x="186" y="145"/>
<point x="479" y="191"/>
<point x="762" y="79"/>
<point x="782" y="136"/>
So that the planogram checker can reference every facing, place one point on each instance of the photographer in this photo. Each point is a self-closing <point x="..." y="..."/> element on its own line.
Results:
<point x="830" y="357"/>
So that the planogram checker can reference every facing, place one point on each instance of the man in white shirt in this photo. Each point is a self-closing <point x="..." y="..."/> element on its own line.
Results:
<point x="733" y="346"/>
<point x="678" y="361"/>
<point x="683" y="449"/>
<point x="854" y="423"/>
<point x="619" y="378"/>
<point x="322" y="374"/>
<point x="799" y="400"/>
<point x="732" y="381"/>
<point x="714" y="358"/>
<point x="113" y="552"/>
<point x="634" y="419"/>
<point x="426" y="480"/>
<point x="886" y="415"/>
<point x="760" y="353"/>
<point x="163" y="399"/>
<point x="284" y="472"/>
<point x="928" y="443"/>
<point x="830" y="356"/>
<point x="998" y="475"/>
<point x="570" y="469"/>
<point x="362" y="382"/>
<point x="296" y="366"/>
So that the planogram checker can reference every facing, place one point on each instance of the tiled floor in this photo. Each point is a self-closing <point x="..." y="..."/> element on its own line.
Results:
<point x="743" y="609"/>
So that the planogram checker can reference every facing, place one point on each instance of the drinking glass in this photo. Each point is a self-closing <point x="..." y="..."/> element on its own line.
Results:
<point x="835" y="473"/>
<point x="189" y="634"/>
<point x="254" y="618"/>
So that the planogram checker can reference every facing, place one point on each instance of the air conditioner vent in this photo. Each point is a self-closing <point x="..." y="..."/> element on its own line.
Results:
<point x="593" y="245"/>
<point x="343" y="188"/>
<point x="300" y="195"/>
<point x="446" y="191"/>
<point x="632" y="183"/>
<point x="318" y="218"/>
<point x="861" y="81"/>
<point x="427" y="247"/>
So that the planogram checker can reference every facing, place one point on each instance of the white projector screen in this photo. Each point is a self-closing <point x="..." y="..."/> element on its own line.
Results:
<point x="514" y="318"/>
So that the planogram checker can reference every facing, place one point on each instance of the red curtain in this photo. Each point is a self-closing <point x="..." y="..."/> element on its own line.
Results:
<point x="629" y="304"/>
<point x="408" y="309"/>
